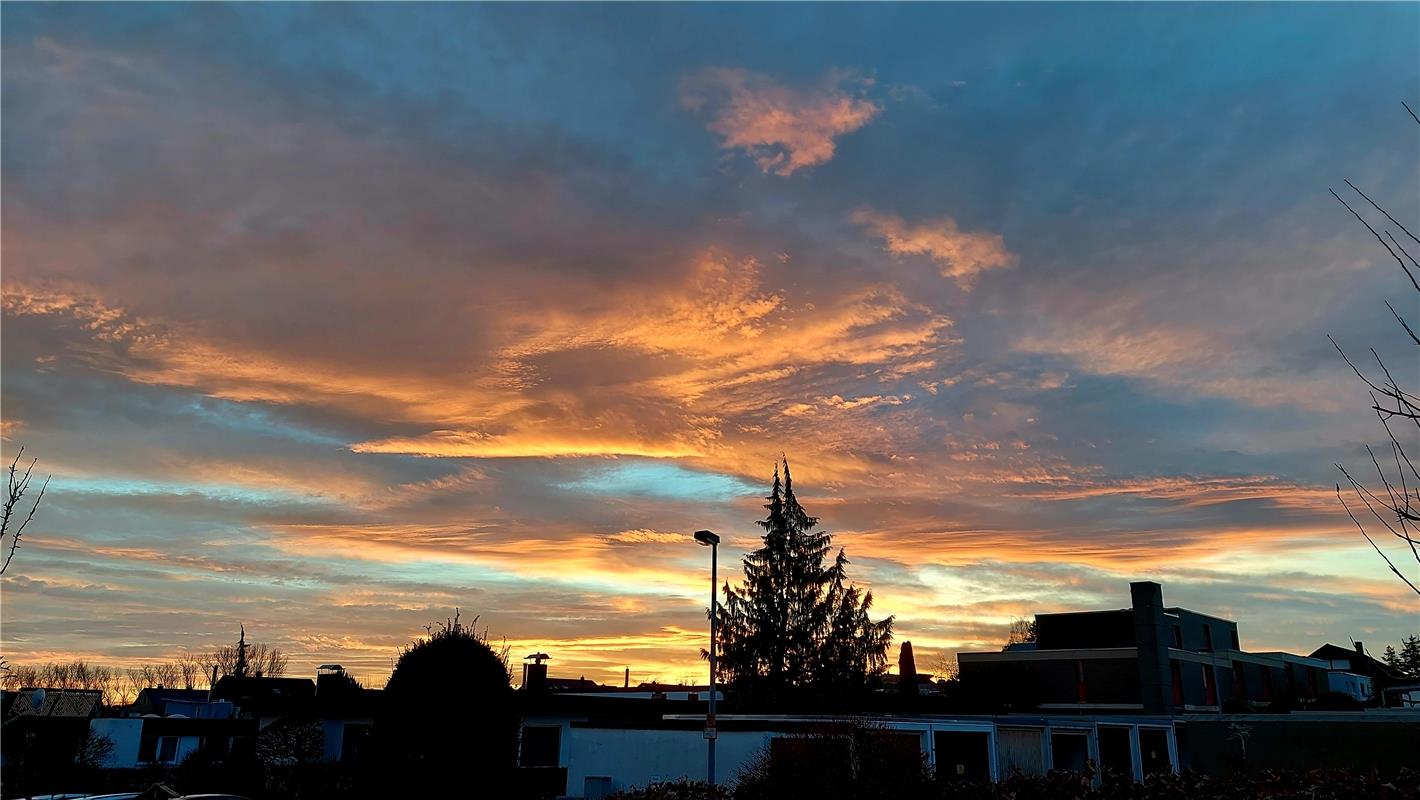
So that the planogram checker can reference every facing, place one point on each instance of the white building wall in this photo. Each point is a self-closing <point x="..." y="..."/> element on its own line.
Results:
<point x="635" y="758"/>
<point x="126" y="734"/>
<point x="1350" y="684"/>
<point x="186" y="746"/>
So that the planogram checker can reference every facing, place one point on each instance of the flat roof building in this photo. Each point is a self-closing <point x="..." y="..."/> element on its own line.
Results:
<point x="1147" y="658"/>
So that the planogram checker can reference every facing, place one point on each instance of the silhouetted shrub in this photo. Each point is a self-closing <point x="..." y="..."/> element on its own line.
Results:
<point x="676" y="790"/>
<point x="1338" y="701"/>
<point x="849" y="760"/>
<point x="449" y="712"/>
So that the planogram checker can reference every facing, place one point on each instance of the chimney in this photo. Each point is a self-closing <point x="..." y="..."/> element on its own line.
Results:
<point x="535" y="674"/>
<point x="626" y="682"/>
<point x="906" y="671"/>
<point x="1155" y="679"/>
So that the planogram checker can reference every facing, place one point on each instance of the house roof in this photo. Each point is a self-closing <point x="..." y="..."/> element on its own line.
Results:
<point x="55" y="703"/>
<point x="1361" y="663"/>
<point x="154" y="699"/>
<point x="264" y="695"/>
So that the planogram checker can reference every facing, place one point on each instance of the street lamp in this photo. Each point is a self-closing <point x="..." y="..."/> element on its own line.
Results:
<point x="711" y="540"/>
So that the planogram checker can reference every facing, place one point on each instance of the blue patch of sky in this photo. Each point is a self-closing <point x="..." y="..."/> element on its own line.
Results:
<point x="111" y="485"/>
<point x="660" y="480"/>
<point x="253" y="419"/>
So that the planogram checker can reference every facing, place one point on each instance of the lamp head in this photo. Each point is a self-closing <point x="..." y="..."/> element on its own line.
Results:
<point x="707" y="538"/>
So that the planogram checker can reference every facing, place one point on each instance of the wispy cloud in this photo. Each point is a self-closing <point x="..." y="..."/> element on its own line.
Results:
<point x="959" y="254"/>
<point x="784" y="129"/>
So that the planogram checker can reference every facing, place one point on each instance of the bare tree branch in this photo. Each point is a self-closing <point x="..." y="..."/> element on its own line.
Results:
<point x="18" y="485"/>
<point x="1379" y="238"/>
<point x="1381" y="552"/>
<point x="1383" y="211"/>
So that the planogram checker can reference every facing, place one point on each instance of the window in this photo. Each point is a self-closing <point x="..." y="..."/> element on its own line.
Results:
<point x="1207" y="637"/>
<point x="1210" y="686"/>
<point x="1239" y="681"/>
<point x="352" y="744"/>
<point x="1080" y="693"/>
<point x="542" y="745"/>
<point x="1116" y="751"/>
<point x="1178" y="637"/>
<point x="148" y="748"/>
<point x="1176" y="673"/>
<point x="167" y="749"/>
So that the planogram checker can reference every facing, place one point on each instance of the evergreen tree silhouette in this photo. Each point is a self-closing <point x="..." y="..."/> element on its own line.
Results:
<point x="797" y="626"/>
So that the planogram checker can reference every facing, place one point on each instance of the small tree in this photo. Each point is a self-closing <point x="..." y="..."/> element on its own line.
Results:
<point x="449" y="710"/>
<point x="243" y="659"/>
<point x="1022" y="631"/>
<point x="290" y="742"/>
<point x="1409" y="660"/>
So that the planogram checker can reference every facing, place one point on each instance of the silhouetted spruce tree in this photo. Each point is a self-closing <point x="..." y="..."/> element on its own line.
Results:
<point x="240" y="668"/>
<point x="796" y="626"/>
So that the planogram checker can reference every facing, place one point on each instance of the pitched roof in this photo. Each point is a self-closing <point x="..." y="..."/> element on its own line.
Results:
<point x="56" y="703"/>
<point x="154" y="700"/>
<point x="1360" y="663"/>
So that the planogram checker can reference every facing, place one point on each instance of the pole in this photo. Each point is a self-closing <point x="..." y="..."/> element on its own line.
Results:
<point x="711" y="731"/>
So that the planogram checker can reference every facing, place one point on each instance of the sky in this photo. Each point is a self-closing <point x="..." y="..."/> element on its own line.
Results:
<point x="330" y="319"/>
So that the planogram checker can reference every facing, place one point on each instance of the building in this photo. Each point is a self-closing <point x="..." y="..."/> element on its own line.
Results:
<point x="1351" y="667"/>
<point x="604" y="756"/>
<point x="1145" y="659"/>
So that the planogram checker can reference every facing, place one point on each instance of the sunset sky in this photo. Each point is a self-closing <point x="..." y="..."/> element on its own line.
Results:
<point x="329" y="319"/>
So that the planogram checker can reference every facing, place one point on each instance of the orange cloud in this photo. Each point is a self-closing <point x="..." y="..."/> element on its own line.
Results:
<point x="782" y="129"/>
<point x="959" y="254"/>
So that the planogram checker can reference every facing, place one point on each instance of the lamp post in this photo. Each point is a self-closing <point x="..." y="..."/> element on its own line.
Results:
<point x="712" y="541"/>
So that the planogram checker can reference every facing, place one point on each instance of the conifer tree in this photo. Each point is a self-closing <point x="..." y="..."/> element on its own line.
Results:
<point x="1392" y="659"/>
<point x="1410" y="656"/>
<point x="240" y="668"/>
<point x="796" y="625"/>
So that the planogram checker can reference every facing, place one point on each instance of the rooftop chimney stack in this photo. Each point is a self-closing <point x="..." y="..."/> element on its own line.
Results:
<point x="1155" y="679"/>
<point x="626" y="682"/>
<point x="1360" y="648"/>
<point x="535" y="674"/>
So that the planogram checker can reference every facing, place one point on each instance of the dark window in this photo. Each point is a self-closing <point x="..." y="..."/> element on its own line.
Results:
<point x="1154" y="751"/>
<point x="1176" y="673"/>
<point x="542" y="745"/>
<point x="1178" y="637"/>
<point x="1311" y="683"/>
<point x="1116" y="753"/>
<point x="962" y="755"/>
<point x="1239" y="681"/>
<point x="167" y="749"/>
<point x="1070" y="751"/>
<point x="352" y="744"/>
<point x="148" y="748"/>
<point x="1080" y="693"/>
<point x="1210" y="686"/>
<point x="1266" y="683"/>
<point x="1207" y="637"/>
